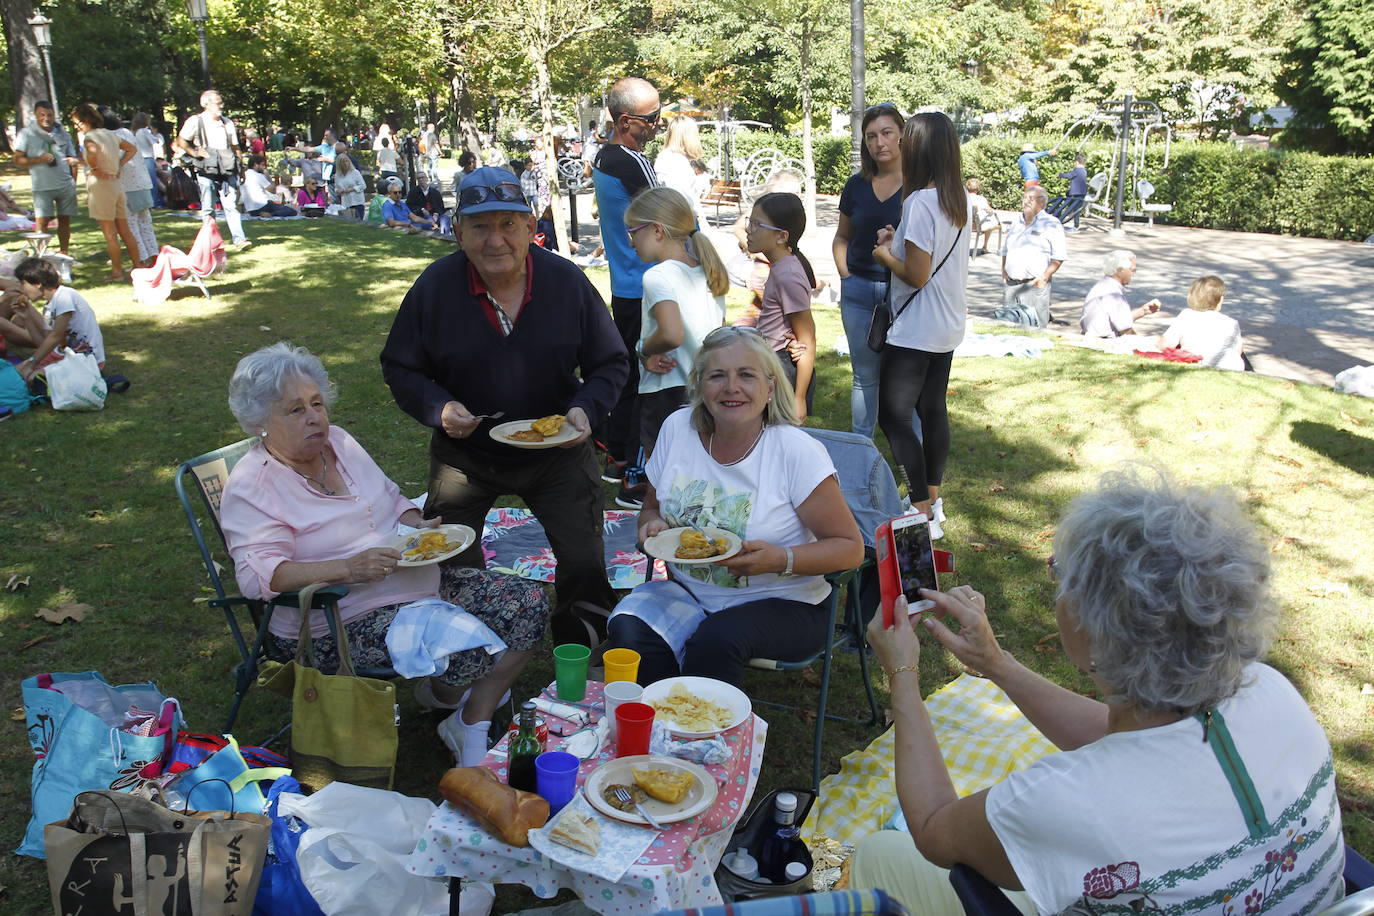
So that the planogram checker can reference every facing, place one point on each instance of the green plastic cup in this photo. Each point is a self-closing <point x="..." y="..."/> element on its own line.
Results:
<point x="570" y="668"/>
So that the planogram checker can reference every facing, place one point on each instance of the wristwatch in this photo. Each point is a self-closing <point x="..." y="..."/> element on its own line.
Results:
<point x="787" y="569"/>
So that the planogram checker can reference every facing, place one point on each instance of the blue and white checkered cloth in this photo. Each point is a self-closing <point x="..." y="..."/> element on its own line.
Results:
<point x="668" y="609"/>
<point x="425" y="633"/>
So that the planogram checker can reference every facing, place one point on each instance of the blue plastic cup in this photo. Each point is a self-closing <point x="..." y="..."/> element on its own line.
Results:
<point x="555" y="775"/>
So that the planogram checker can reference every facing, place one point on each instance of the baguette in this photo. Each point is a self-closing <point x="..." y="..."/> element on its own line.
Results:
<point x="507" y="813"/>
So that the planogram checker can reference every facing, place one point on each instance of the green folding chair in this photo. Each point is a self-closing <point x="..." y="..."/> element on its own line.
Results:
<point x="199" y="483"/>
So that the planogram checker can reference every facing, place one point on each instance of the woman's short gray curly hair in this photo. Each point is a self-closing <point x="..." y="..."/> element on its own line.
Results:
<point x="260" y="379"/>
<point x="1170" y="583"/>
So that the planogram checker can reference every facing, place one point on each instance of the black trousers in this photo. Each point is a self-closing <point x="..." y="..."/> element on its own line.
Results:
<point x="914" y="379"/>
<point x="620" y="431"/>
<point x="722" y="646"/>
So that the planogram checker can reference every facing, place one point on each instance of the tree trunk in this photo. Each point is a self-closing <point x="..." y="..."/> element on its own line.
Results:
<point x="808" y="145"/>
<point x="27" y="81"/>
<point x="857" y="89"/>
<point x="329" y="116"/>
<point x="543" y="91"/>
<point x="465" y="132"/>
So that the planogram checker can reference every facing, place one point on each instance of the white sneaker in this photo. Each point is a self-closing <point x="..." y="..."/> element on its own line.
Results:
<point x="937" y="509"/>
<point x="936" y="532"/>
<point x="467" y="742"/>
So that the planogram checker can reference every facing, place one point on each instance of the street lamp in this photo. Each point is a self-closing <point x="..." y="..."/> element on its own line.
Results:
<point x="42" y="35"/>
<point x="199" y="11"/>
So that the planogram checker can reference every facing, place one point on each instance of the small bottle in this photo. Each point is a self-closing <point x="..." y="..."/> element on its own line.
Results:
<point x="743" y="865"/>
<point x="795" y="871"/>
<point x="524" y="747"/>
<point x="783" y="844"/>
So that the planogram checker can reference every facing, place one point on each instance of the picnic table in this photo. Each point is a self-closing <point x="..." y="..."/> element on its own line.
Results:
<point x="675" y="870"/>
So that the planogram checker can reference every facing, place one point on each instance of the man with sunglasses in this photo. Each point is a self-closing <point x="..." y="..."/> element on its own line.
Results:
<point x="619" y="172"/>
<point x="504" y="327"/>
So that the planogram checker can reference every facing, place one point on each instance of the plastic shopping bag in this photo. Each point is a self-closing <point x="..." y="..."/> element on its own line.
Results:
<point x="76" y="725"/>
<point x="353" y="857"/>
<point x="74" y="382"/>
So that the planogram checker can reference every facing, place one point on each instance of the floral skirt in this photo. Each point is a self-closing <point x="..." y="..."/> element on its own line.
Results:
<point x="516" y="609"/>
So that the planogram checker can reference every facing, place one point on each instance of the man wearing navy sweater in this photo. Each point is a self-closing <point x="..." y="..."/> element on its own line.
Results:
<point x="504" y="326"/>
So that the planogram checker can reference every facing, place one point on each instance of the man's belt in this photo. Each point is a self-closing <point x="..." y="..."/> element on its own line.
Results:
<point x="1020" y="282"/>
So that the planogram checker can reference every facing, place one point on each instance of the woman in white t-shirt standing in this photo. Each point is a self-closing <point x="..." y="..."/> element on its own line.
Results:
<point x="928" y="325"/>
<point x="1204" y="330"/>
<point x="673" y="164"/>
<point x="736" y="460"/>
<point x="684" y="300"/>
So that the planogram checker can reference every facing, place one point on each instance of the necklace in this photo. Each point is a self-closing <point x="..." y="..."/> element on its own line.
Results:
<point x="318" y="482"/>
<point x="711" y="448"/>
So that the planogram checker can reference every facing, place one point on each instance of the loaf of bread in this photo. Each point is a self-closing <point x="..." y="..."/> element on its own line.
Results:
<point x="509" y="814"/>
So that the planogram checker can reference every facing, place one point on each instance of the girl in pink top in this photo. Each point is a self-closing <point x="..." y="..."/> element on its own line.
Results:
<point x="775" y="229"/>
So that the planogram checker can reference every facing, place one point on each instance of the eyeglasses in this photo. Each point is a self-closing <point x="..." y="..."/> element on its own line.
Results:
<point x="731" y="330"/>
<point x="507" y="191"/>
<point x="754" y="225"/>
<point x="633" y="229"/>
<point x="651" y="118"/>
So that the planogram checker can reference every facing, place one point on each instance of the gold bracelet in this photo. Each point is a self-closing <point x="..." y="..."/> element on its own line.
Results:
<point x="913" y="668"/>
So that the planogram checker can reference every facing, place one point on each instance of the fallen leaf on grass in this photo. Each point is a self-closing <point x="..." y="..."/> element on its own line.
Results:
<point x="810" y="677"/>
<point x="976" y="546"/>
<point x="996" y="488"/>
<point x="807" y="715"/>
<point x="15" y="583"/>
<point x="102" y="545"/>
<point x="1048" y="642"/>
<point x="33" y="642"/>
<point x="1290" y="461"/>
<point x="64" y="612"/>
<point x="17" y="714"/>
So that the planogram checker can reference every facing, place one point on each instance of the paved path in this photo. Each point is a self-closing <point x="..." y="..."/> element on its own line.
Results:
<point x="1304" y="305"/>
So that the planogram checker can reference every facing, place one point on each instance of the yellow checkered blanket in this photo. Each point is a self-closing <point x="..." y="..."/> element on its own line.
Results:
<point x="983" y="737"/>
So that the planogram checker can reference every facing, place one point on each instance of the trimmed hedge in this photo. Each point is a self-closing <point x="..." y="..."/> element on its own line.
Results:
<point x="1210" y="185"/>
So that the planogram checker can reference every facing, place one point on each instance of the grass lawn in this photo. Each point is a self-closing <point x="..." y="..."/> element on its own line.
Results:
<point x="88" y="512"/>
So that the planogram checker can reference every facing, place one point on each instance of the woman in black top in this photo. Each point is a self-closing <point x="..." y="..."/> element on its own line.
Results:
<point x="871" y="200"/>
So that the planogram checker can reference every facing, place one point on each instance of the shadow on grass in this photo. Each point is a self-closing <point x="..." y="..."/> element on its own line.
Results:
<point x="1339" y="445"/>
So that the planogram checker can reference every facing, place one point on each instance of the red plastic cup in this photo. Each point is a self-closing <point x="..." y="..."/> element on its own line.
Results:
<point x="633" y="723"/>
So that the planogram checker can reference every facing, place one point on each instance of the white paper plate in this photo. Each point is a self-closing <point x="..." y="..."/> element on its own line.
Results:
<point x="664" y="545"/>
<point x="461" y="535"/>
<point x="699" y="798"/>
<point x="718" y="692"/>
<point x="502" y="433"/>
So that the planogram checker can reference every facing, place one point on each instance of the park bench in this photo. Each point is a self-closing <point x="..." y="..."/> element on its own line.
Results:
<point x="723" y="192"/>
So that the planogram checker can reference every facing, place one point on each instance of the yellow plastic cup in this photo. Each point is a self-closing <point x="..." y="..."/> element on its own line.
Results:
<point x="621" y="665"/>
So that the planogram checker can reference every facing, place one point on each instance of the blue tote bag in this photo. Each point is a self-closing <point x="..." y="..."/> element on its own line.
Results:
<point x="74" y="725"/>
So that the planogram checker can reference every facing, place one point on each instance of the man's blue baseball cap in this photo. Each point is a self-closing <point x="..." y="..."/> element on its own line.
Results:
<point x="491" y="188"/>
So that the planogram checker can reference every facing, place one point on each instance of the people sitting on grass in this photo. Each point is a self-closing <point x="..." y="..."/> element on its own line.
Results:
<point x="312" y="199"/>
<point x="12" y="215"/>
<point x="1204" y="330"/>
<point x="282" y="192"/>
<point x="67" y="319"/>
<point x="1199" y="775"/>
<point x="427" y="203"/>
<point x="257" y="191"/>
<point x="397" y="215"/>
<point x="308" y="504"/>
<point x="1106" y="312"/>
<point x="736" y="459"/>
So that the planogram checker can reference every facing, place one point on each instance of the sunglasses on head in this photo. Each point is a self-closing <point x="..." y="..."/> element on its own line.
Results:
<point x="731" y="330"/>
<point x="507" y="191"/>
<point x="650" y="118"/>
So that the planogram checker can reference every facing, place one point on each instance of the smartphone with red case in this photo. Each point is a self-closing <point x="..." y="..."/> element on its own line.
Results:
<point x="906" y="563"/>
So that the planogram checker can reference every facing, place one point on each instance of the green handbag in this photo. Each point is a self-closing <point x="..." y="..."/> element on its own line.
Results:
<point x="343" y="727"/>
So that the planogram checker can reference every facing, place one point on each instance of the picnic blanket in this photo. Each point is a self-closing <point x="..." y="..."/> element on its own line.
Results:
<point x="514" y="542"/>
<point x="983" y="737"/>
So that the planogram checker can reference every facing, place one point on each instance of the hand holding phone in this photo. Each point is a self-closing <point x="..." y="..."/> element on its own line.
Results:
<point x="906" y="564"/>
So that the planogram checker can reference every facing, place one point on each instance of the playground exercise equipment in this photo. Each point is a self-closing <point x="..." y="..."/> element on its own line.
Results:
<point x="1131" y="122"/>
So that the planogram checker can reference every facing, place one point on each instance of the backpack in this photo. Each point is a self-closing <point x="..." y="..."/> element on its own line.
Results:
<point x="183" y="191"/>
<point x="14" y="393"/>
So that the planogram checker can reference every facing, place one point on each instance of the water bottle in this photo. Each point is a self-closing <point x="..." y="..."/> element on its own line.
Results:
<point x="783" y="845"/>
<point x="524" y="747"/>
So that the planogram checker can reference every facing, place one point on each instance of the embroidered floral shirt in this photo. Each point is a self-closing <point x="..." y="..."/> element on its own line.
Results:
<point x="1147" y="821"/>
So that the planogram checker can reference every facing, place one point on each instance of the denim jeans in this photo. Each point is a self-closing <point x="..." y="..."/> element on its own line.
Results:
<point x="227" y="190"/>
<point x="858" y="298"/>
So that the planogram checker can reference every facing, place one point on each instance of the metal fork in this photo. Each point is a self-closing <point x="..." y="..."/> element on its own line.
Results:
<point x="489" y="416"/>
<point x="623" y="796"/>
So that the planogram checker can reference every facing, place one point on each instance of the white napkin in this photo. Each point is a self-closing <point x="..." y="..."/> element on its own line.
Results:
<point x="578" y="717"/>
<point x="621" y="843"/>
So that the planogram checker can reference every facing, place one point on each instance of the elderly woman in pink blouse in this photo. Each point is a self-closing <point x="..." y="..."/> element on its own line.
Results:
<point x="308" y="504"/>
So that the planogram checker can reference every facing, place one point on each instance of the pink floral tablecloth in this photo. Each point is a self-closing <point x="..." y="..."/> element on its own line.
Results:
<point x="675" y="872"/>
